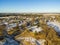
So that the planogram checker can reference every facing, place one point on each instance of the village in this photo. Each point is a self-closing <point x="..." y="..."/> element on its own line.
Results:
<point x="32" y="29"/>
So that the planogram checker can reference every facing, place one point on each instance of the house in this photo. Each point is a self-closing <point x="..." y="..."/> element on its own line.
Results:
<point x="40" y="42"/>
<point x="32" y="40"/>
<point x="35" y="29"/>
<point x="10" y="26"/>
<point x="55" y="25"/>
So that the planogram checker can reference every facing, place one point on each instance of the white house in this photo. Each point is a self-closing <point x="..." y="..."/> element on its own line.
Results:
<point x="35" y="29"/>
<point x="55" y="25"/>
<point x="10" y="26"/>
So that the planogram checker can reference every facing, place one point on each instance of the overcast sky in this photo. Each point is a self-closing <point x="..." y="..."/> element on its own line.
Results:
<point x="19" y="6"/>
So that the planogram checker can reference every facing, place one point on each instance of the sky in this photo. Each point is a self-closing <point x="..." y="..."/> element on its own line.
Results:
<point x="28" y="6"/>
